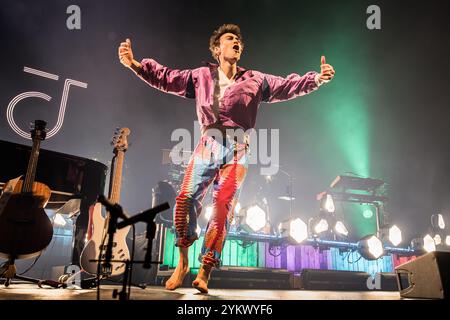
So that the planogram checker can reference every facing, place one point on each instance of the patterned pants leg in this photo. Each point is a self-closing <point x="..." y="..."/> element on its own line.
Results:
<point x="230" y="175"/>
<point x="225" y="165"/>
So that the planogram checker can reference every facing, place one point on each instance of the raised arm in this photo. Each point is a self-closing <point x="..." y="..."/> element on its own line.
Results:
<point x="178" y="82"/>
<point x="281" y="89"/>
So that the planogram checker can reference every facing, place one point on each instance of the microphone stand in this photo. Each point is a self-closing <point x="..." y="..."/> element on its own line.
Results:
<point x="149" y="235"/>
<point x="290" y="191"/>
<point x="147" y="216"/>
<point x="115" y="212"/>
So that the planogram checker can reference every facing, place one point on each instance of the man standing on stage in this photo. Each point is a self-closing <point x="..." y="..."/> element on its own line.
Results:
<point x="227" y="99"/>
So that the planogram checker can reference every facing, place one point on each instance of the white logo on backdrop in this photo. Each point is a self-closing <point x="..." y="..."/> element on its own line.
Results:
<point x="35" y="94"/>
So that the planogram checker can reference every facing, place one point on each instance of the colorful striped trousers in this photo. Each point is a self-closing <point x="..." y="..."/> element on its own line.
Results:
<point x="224" y="163"/>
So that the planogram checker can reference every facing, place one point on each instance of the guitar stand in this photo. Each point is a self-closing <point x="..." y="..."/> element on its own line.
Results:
<point x="8" y="271"/>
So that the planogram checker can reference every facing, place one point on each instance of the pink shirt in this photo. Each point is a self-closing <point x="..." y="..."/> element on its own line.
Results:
<point x="240" y="102"/>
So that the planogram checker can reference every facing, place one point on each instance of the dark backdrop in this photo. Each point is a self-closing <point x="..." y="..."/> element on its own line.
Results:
<point x="384" y="115"/>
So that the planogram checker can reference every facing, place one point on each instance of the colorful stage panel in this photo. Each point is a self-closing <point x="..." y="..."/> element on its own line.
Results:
<point x="242" y="253"/>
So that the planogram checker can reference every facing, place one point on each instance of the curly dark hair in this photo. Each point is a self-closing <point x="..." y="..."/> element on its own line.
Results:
<point x="214" y="41"/>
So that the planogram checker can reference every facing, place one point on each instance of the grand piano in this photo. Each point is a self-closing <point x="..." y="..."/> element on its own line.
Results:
<point x="69" y="177"/>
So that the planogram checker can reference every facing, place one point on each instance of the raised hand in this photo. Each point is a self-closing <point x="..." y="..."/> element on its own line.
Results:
<point x="126" y="53"/>
<point x="326" y="71"/>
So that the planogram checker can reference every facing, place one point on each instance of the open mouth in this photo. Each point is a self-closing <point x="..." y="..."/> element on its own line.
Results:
<point x="236" y="48"/>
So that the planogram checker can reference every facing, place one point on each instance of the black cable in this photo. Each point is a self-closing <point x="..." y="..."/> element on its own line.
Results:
<point x="352" y="262"/>
<point x="130" y="278"/>
<point x="347" y="256"/>
<point x="31" y="266"/>
<point x="358" y="259"/>
<point x="48" y="250"/>
<point x="242" y="245"/>
<point x="99" y="258"/>
<point x="38" y="257"/>
<point x="246" y="244"/>
<point x="110" y="187"/>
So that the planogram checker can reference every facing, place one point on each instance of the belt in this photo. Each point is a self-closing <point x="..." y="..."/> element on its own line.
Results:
<point x="232" y="133"/>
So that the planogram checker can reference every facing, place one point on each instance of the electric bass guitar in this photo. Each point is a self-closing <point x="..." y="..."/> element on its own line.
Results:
<point x="97" y="236"/>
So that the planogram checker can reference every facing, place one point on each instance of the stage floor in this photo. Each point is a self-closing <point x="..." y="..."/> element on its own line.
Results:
<point x="26" y="291"/>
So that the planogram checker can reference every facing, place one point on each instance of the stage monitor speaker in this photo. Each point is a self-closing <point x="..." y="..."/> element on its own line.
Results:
<point x="342" y="280"/>
<point x="426" y="277"/>
<point x="228" y="277"/>
<point x="335" y="280"/>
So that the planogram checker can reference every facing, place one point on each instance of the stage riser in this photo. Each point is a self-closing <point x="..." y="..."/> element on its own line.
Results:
<point x="309" y="279"/>
<point x="292" y="258"/>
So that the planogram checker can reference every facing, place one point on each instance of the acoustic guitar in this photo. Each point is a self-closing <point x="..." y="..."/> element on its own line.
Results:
<point x="25" y="228"/>
<point x="97" y="231"/>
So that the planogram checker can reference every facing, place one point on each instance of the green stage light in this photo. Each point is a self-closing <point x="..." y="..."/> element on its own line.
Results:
<point x="367" y="213"/>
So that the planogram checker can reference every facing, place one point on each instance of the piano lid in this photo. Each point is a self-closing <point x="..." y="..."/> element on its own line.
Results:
<point x="68" y="176"/>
